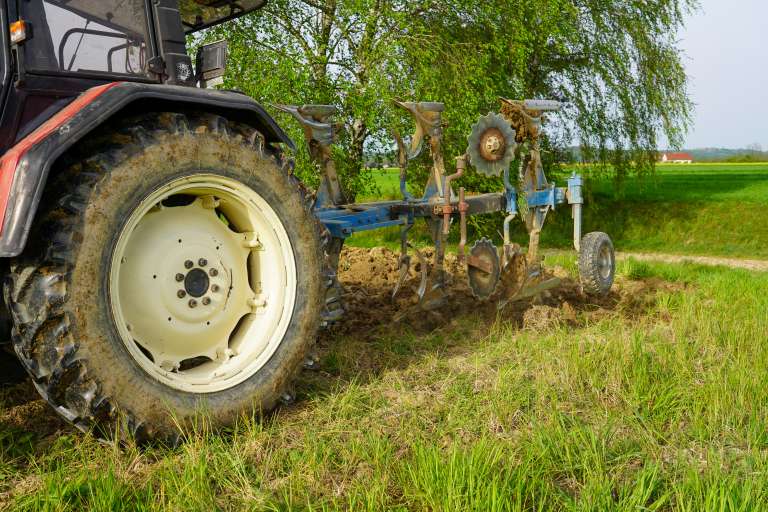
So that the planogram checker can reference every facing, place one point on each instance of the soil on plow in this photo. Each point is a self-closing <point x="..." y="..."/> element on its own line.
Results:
<point x="368" y="277"/>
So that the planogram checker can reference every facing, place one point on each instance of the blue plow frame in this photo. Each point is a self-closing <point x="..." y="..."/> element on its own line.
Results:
<point x="346" y="220"/>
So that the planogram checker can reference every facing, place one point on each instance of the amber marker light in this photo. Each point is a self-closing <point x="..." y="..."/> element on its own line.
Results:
<point x="18" y="31"/>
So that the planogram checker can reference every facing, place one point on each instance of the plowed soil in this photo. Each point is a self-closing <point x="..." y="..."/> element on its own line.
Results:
<point x="369" y="277"/>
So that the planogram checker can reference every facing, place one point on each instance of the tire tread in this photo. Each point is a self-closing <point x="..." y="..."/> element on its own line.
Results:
<point x="589" y="273"/>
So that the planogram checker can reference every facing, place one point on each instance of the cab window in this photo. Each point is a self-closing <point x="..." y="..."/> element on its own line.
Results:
<point x="199" y="14"/>
<point x="86" y="36"/>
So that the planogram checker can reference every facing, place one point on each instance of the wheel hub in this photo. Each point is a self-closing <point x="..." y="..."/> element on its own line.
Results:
<point x="170" y="322"/>
<point x="196" y="283"/>
<point x="492" y="145"/>
<point x="605" y="262"/>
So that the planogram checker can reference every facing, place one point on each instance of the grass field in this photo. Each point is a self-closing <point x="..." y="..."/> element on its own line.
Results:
<point x="654" y="400"/>
<point x="744" y="183"/>
<point x="711" y="209"/>
<point x="651" y="399"/>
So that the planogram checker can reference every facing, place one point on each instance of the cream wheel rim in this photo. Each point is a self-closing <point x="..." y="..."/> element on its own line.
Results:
<point x="202" y="283"/>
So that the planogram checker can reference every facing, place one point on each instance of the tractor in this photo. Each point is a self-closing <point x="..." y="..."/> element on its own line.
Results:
<point x="160" y="258"/>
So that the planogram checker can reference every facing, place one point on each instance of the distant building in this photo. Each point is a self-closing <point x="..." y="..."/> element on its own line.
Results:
<point x="676" y="158"/>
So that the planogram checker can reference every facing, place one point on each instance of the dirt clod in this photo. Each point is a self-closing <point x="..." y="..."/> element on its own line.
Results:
<point x="539" y="317"/>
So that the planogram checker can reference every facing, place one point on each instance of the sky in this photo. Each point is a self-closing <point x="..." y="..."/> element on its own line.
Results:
<point x="726" y="57"/>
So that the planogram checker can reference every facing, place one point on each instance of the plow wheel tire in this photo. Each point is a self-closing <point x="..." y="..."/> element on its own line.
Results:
<point x="176" y="269"/>
<point x="597" y="263"/>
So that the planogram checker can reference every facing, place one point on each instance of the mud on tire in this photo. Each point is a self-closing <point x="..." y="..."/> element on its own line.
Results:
<point x="58" y="290"/>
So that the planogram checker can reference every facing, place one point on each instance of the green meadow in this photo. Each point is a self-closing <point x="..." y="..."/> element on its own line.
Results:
<point x="706" y="209"/>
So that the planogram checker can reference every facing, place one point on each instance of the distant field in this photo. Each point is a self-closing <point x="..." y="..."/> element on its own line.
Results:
<point x="692" y="182"/>
<point x="711" y="209"/>
<point x="745" y="183"/>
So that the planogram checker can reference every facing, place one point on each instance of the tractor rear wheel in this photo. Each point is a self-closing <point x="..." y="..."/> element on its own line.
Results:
<point x="177" y="270"/>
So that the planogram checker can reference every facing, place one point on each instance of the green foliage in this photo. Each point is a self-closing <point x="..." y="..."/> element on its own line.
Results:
<point x="332" y="52"/>
<point x="615" y="62"/>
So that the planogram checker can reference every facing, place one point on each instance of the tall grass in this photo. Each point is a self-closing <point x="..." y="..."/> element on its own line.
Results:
<point x="656" y="405"/>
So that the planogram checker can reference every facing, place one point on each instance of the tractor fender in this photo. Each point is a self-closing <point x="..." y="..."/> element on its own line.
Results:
<point x="24" y="168"/>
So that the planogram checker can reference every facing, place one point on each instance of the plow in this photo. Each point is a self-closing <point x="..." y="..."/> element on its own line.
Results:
<point x="506" y="273"/>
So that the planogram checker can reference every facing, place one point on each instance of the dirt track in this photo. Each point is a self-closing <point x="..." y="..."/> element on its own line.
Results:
<point x="756" y="265"/>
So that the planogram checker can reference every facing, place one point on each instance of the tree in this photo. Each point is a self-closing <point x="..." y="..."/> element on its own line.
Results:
<point x="322" y="51"/>
<point x="615" y="63"/>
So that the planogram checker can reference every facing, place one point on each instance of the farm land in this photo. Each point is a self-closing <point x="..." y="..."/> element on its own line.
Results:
<point x="695" y="209"/>
<point x="653" y="398"/>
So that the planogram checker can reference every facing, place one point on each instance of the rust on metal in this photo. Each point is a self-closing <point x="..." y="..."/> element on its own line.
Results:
<point x="463" y="209"/>
<point x="477" y="262"/>
<point x="461" y="165"/>
<point x="492" y="145"/>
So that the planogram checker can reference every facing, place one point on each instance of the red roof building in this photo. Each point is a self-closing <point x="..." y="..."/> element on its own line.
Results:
<point x="677" y="158"/>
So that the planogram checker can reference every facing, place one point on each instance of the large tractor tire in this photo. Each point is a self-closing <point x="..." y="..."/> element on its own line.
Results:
<point x="176" y="269"/>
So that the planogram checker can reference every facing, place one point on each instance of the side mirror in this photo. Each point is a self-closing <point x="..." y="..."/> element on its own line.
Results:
<point x="211" y="63"/>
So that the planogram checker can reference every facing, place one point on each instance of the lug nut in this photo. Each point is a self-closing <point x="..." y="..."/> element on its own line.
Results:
<point x="215" y="288"/>
<point x="189" y="264"/>
<point x="202" y="262"/>
<point x="213" y="272"/>
<point x="181" y="294"/>
<point x="192" y="303"/>
<point x="206" y="301"/>
<point x="179" y="277"/>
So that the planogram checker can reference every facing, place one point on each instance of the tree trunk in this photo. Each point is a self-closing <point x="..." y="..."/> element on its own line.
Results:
<point x="358" y="134"/>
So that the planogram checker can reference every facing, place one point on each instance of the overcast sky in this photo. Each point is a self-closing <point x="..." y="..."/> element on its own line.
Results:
<point x="726" y="47"/>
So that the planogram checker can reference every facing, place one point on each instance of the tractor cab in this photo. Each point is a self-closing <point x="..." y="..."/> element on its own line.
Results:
<point x="56" y="49"/>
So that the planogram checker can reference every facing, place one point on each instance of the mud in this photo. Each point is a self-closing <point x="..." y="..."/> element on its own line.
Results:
<point x="369" y="276"/>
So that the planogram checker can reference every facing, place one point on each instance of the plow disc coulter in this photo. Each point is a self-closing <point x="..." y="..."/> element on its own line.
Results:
<point x="505" y="274"/>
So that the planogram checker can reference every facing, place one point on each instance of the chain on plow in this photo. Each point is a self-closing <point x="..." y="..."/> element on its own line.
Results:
<point x="504" y="273"/>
